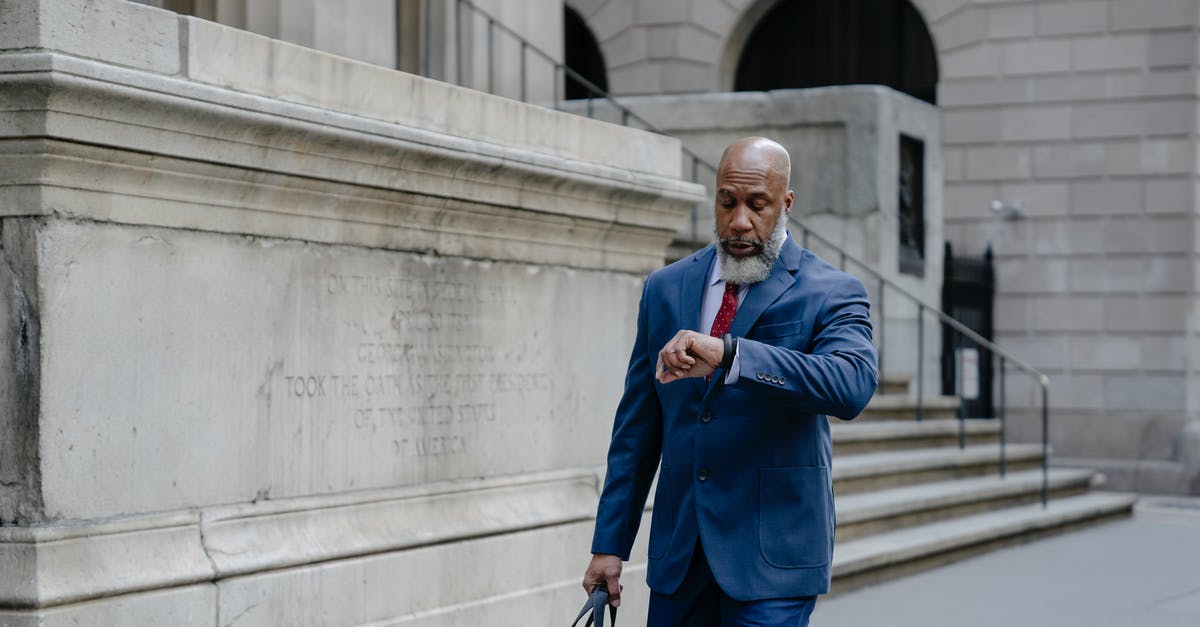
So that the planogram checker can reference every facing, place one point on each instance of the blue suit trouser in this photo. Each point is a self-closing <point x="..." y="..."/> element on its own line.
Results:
<point x="699" y="602"/>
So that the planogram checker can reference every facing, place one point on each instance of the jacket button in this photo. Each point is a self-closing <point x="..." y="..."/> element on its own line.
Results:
<point x="706" y="417"/>
<point x="703" y="474"/>
<point x="760" y="376"/>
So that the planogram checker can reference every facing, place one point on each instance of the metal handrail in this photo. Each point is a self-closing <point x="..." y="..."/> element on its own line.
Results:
<point x="996" y="351"/>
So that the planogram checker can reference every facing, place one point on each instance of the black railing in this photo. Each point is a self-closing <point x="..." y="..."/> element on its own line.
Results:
<point x="696" y="164"/>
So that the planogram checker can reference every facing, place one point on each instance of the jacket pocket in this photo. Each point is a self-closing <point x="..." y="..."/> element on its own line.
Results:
<point x="795" y="516"/>
<point x="782" y="329"/>
<point x="662" y="520"/>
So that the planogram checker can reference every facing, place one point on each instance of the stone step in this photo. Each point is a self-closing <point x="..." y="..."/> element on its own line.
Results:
<point x="855" y="437"/>
<point x="904" y="407"/>
<point x="862" y="514"/>
<point x="889" y="555"/>
<point x="889" y="469"/>
<point x="894" y="385"/>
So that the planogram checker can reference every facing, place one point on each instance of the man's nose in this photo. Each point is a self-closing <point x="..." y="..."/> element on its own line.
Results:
<point x="741" y="220"/>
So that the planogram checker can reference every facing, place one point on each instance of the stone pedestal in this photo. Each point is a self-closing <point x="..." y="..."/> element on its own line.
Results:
<point x="297" y="340"/>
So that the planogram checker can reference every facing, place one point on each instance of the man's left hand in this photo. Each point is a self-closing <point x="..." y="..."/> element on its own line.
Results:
<point x="689" y="354"/>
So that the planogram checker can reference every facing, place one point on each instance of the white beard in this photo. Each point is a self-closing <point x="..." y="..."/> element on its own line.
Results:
<point x="744" y="271"/>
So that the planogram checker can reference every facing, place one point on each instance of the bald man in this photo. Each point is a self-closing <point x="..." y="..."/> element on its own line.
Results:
<point x="742" y="350"/>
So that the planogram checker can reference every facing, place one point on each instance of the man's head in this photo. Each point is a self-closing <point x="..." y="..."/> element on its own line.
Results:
<point x="752" y="200"/>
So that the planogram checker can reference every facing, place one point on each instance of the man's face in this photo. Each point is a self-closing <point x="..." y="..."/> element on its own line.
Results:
<point x="750" y="197"/>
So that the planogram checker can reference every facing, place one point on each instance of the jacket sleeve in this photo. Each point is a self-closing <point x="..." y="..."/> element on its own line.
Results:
<point x="634" y="451"/>
<point x="837" y="377"/>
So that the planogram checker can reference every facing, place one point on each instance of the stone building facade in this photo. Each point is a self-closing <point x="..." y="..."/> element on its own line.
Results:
<point x="1083" y="114"/>
<point x="1078" y="115"/>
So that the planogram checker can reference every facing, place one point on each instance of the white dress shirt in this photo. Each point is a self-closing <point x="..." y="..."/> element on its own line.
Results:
<point x="714" y="293"/>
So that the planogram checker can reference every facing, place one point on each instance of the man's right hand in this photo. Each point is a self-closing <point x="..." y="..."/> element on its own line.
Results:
<point x="604" y="570"/>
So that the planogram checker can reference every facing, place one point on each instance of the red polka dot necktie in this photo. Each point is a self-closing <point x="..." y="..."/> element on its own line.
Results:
<point x="728" y="309"/>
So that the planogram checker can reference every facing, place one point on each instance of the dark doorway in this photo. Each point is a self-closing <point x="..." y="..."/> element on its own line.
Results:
<point x="911" y="206"/>
<point x="815" y="43"/>
<point x="582" y="54"/>
<point x="968" y="294"/>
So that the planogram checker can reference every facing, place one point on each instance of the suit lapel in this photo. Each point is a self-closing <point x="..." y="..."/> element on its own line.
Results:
<point x="769" y="290"/>
<point x="695" y="279"/>
<point x="691" y="291"/>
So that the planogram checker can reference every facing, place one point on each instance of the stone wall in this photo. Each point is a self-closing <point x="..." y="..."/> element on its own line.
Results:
<point x="1085" y="113"/>
<point x="294" y="339"/>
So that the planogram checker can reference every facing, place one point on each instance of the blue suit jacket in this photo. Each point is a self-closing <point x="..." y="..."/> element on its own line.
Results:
<point x="746" y="466"/>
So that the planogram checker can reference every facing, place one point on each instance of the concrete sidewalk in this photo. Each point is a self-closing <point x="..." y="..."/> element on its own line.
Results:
<point x="1142" y="571"/>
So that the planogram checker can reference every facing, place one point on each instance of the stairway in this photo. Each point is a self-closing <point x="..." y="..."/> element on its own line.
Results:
<point x="909" y="498"/>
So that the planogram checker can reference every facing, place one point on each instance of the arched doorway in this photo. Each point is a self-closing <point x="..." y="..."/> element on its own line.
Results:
<point x="815" y="43"/>
<point x="581" y="54"/>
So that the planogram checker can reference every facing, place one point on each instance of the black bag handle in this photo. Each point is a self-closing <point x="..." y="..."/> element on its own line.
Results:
<point x="595" y="606"/>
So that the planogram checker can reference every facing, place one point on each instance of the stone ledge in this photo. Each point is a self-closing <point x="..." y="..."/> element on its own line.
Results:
<point x="186" y="155"/>
<point x="68" y="562"/>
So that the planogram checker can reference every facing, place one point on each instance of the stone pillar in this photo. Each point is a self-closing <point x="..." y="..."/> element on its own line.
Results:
<point x="298" y="340"/>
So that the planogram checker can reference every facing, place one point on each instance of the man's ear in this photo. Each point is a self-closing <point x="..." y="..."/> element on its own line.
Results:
<point x="787" y="201"/>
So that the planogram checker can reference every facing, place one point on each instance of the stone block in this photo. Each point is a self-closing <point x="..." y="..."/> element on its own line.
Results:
<point x="1131" y="274"/>
<point x="1155" y="83"/>
<point x="627" y="47"/>
<point x="1155" y="313"/>
<point x="1036" y="123"/>
<point x="714" y="16"/>
<point x="1132" y="119"/>
<point x="1169" y="195"/>
<point x="1036" y="57"/>
<point x="1145" y="392"/>
<point x="1109" y="52"/>
<point x="998" y="163"/>
<point x="1172" y="50"/>
<point x="1105" y="353"/>
<point x="985" y="91"/>
<point x="1068" y="237"/>
<point x="1069" y="88"/>
<point x="662" y="11"/>
<point x="1005" y="22"/>
<point x="1068" y="313"/>
<point x="1072" y="18"/>
<point x="1106" y="197"/>
<point x="975" y="61"/>
<point x="122" y="33"/>
<point x="972" y="126"/>
<point x="1153" y="15"/>
<point x="1166" y="352"/>
<point x="694" y="44"/>
<point x="968" y="26"/>
<point x="1076" y="159"/>
<point x="1166" y="235"/>
<point x="187" y="606"/>
<point x="1008" y="239"/>
<point x="1044" y="351"/>
<point x="660" y="40"/>
<point x="1032" y="276"/>
<point x="1075" y="391"/>
<point x="955" y="160"/>
<point x="611" y="18"/>
<point x="1155" y="157"/>
<point x="1038" y="198"/>
<point x="1013" y="314"/>
<point x="347" y="380"/>
<point x="968" y="199"/>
